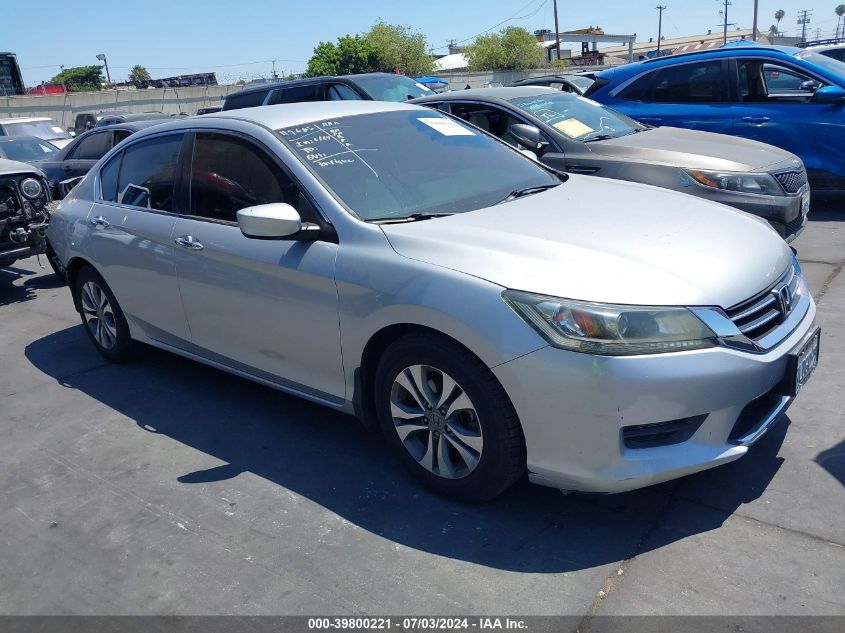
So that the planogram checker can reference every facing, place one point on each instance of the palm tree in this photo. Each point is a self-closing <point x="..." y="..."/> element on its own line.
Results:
<point x="779" y="15"/>
<point x="840" y="11"/>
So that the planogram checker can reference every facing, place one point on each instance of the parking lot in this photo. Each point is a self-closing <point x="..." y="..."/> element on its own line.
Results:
<point x="164" y="487"/>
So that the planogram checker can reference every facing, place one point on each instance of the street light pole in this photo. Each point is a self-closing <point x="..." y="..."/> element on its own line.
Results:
<point x="754" y="27"/>
<point x="557" y="31"/>
<point x="661" y="9"/>
<point x="102" y="58"/>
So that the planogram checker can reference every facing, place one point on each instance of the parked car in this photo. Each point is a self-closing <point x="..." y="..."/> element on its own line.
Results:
<point x="493" y="315"/>
<point x="26" y="149"/>
<point x="83" y="153"/>
<point x="24" y="214"/>
<point x="42" y="127"/>
<point x="209" y="110"/>
<point x="791" y="98"/>
<point x="114" y="119"/>
<point x="833" y="48"/>
<point x="84" y="121"/>
<point x="369" y="86"/>
<point x="577" y="84"/>
<point x="580" y="136"/>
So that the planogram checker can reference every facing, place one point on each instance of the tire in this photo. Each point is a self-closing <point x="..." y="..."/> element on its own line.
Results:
<point x="456" y="429"/>
<point x="102" y="318"/>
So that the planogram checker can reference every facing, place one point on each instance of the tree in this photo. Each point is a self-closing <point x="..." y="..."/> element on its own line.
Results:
<point x="840" y="11"/>
<point x="400" y="47"/>
<point x="139" y="76"/>
<point x="351" y="55"/>
<point x="512" y="48"/>
<point x="81" y="78"/>
<point x="780" y="14"/>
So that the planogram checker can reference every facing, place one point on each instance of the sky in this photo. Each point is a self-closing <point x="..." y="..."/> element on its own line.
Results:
<point x="237" y="39"/>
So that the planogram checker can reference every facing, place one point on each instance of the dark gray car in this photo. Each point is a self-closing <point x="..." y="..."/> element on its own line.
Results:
<point x="577" y="135"/>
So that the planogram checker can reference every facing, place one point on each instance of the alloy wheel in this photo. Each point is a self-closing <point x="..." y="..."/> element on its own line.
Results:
<point x="99" y="315"/>
<point x="436" y="421"/>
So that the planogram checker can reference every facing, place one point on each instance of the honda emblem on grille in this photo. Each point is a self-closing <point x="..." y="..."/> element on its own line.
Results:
<point x="784" y="299"/>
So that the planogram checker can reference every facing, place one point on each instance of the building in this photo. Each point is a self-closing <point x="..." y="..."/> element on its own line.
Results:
<point x="688" y="44"/>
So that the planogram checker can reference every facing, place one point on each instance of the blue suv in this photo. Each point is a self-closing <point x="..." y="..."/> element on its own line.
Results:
<point x="788" y="97"/>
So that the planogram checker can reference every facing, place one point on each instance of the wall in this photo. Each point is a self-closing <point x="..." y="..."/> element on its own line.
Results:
<point x="63" y="108"/>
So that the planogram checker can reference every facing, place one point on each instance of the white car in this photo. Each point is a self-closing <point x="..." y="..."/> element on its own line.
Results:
<point x="44" y="128"/>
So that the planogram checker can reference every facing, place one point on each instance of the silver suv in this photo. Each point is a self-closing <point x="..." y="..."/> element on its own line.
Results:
<point x="493" y="316"/>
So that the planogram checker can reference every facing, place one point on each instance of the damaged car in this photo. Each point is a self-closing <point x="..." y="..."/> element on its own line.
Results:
<point x="24" y="213"/>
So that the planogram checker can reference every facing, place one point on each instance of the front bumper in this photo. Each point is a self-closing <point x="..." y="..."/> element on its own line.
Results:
<point x="787" y="214"/>
<point x="574" y="407"/>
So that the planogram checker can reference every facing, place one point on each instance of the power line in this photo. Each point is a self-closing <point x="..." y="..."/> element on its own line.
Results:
<point x="510" y="19"/>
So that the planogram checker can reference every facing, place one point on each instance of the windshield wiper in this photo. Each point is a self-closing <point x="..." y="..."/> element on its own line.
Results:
<point x="599" y="137"/>
<point x="528" y="191"/>
<point x="414" y="217"/>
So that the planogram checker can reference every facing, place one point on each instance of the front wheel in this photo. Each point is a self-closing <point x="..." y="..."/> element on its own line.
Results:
<point x="448" y="419"/>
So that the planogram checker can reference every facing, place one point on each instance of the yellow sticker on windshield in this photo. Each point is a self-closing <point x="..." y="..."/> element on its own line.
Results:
<point x="573" y="128"/>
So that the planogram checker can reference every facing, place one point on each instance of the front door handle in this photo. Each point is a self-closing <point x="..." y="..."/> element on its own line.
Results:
<point x="582" y="170"/>
<point x="756" y="120"/>
<point x="651" y="120"/>
<point x="188" y="241"/>
<point x="100" y="222"/>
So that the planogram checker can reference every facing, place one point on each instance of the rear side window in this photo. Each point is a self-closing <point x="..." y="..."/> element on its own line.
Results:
<point x="244" y="100"/>
<point x="298" y="94"/>
<point x="148" y="173"/>
<point x="687" y="83"/>
<point x="340" y="92"/>
<point x="92" y="147"/>
<point x="108" y="178"/>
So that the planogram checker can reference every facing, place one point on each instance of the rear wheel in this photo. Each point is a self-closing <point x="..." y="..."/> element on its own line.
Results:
<point x="448" y="419"/>
<point x="102" y="317"/>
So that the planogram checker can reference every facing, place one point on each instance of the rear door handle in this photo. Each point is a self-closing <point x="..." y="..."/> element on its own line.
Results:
<point x="188" y="241"/>
<point x="100" y="221"/>
<point x="756" y="120"/>
<point x="582" y="170"/>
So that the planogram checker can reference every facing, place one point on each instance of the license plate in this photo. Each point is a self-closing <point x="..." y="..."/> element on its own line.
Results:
<point x="805" y="203"/>
<point x="806" y="362"/>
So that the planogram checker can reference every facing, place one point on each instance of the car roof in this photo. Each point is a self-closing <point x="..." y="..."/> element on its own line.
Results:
<point x="30" y="119"/>
<point x="307" y="80"/>
<point x="135" y="126"/>
<point x="23" y="137"/>
<point x="284" y="115"/>
<point x="757" y="50"/>
<point x="505" y="92"/>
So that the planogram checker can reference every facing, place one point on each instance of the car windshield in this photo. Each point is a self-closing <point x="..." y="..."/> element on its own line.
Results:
<point x="27" y="149"/>
<point x="392" y="87"/>
<point x="393" y="165"/>
<point x="823" y="61"/>
<point x="576" y="117"/>
<point x="47" y="129"/>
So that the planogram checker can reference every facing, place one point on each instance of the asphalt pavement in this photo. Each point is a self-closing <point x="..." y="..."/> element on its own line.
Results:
<point x="167" y="487"/>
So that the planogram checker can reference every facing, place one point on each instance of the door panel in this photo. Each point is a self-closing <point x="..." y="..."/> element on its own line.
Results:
<point x="266" y="304"/>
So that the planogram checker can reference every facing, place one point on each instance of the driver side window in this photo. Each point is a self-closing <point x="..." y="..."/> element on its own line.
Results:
<point x="490" y="119"/>
<point x="766" y="82"/>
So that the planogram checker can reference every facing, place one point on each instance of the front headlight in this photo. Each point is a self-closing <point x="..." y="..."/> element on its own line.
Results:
<point x="31" y="187"/>
<point x="611" y="330"/>
<point x="746" y="183"/>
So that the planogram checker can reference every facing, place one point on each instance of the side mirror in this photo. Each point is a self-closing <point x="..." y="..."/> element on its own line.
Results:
<point x="528" y="136"/>
<point x="274" y="221"/>
<point x="66" y="185"/>
<point x="809" y="86"/>
<point x="830" y="95"/>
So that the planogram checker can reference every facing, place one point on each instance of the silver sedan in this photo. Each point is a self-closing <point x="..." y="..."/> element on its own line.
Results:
<point x="492" y="316"/>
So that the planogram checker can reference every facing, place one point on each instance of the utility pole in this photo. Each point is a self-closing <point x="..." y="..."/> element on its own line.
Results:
<point x="725" y="36"/>
<point x="557" y="31"/>
<point x="754" y="27"/>
<point x="803" y="21"/>
<point x="275" y="76"/>
<point x="661" y="9"/>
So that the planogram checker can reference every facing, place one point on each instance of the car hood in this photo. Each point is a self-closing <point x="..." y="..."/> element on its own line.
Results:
<point x="61" y="143"/>
<point x="694" y="149"/>
<point x="608" y="241"/>
<point x="9" y="167"/>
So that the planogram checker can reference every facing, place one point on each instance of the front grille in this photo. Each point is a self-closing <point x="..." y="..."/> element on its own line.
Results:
<point x="761" y="314"/>
<point x="791" y="228"/>
<point x="792" y="181"/>
<point x="756" y="412"/>
<point x="662" y="433"/>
